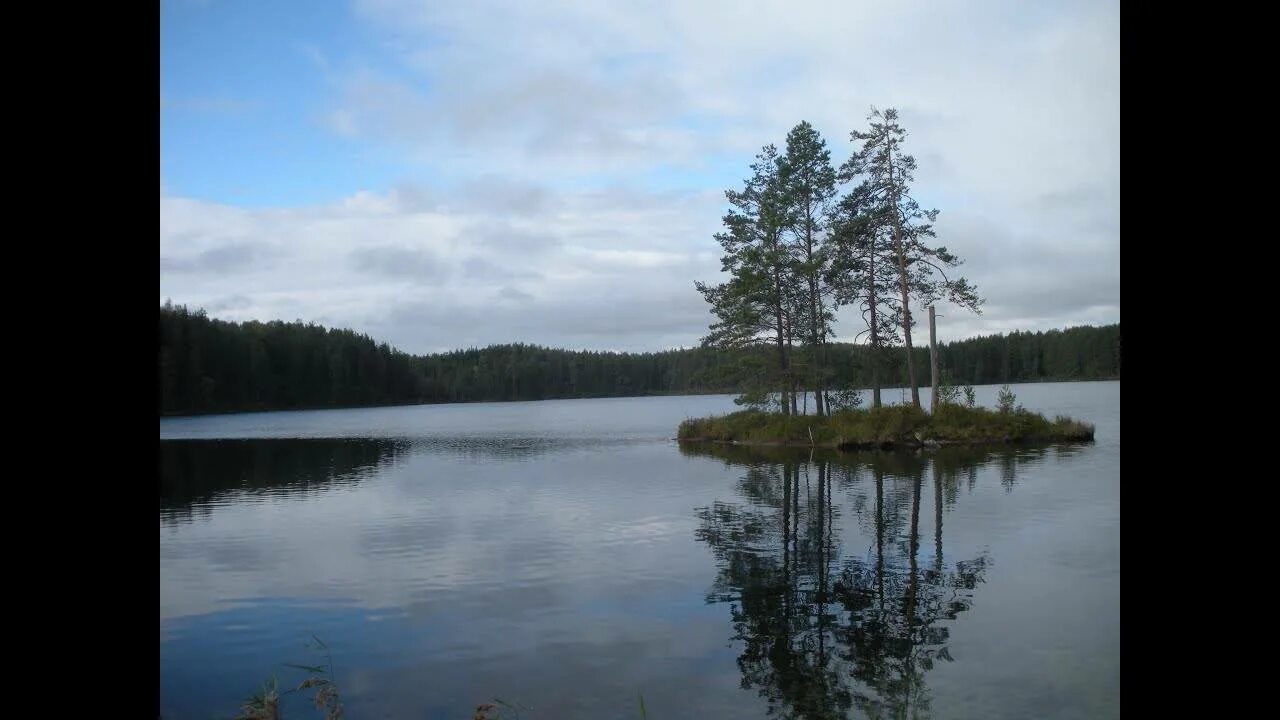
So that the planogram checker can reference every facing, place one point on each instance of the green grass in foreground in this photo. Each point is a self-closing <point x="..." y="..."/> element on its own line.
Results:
<point x="891" y="425"/>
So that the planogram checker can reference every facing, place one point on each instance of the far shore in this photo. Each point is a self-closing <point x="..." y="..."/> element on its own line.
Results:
<point x="672" y="393"/>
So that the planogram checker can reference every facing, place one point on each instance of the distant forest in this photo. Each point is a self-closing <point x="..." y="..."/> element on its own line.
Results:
<point x="208" y="366"/>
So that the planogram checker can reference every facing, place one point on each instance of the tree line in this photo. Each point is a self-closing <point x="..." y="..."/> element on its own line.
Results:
<point x="208" y="365"/>
<point x="797" y="249"/>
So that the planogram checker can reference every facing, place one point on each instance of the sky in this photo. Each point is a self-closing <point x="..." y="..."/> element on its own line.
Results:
<point x="444" y="175"/>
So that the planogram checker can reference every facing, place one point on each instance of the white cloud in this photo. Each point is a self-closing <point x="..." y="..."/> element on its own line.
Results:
<point x="553" y="133"/>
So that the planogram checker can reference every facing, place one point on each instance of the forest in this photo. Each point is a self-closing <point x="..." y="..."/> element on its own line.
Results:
<point x="208" y="366"/>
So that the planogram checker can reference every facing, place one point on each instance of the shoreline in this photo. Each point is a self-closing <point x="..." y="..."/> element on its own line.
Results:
<point x="673" y="393"/>
<point x="886" y="427"/>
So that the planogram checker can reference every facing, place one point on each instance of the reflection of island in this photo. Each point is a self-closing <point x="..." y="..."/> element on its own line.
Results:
<point x="196" y="471"/>
<point x="823" y="634"/>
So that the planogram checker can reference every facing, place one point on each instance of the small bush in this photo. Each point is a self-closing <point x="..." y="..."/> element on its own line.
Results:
<point x="1005" y="400"/>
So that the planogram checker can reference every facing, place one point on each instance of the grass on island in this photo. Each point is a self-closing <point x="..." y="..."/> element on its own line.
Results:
<point x="885" y="426"/>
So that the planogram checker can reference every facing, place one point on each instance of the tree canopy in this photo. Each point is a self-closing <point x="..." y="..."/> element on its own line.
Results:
<point x="796" y="251"/>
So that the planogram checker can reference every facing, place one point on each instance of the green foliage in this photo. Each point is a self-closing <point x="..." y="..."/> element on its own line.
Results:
<point x="847" y="397"/>
<point x="208" y="365"/>
<point x="885" y="209"/>
<point x="1077" y="353"/>
<point x="757" y="399"/>
<point x="1005" y="399"/>
<point x="948" y="391"/>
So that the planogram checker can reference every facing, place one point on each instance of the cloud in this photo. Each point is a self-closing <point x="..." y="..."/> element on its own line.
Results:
<point x="510" y="293"/>
<point x="427" y="280"/>
<point x="219" y="260"/>
<point x="398" y="262"/>
<point x="565" y="163"/>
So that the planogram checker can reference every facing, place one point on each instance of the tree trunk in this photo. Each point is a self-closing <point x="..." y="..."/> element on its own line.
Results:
<point x="791" y="376"/>
<point x="783" y="365"/>
<point x="906" y="324"/>
<point x="875" y="332"/>
<point x="900" y="250"/>
<point x="815" y="365"/>
<point x="814" y="306"/>
<point x="933" y="362"/>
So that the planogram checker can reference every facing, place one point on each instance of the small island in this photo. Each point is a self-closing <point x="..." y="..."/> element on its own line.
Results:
<point x="893" y="426"/>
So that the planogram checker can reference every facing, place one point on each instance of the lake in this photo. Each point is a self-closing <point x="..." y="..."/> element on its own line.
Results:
<point x="570" y="559"/>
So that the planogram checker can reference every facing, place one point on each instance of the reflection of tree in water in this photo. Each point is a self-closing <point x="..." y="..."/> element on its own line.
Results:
<point x="193" y="472"/>
<point x="823" y="635"/>
<point x="1011" y="460"/>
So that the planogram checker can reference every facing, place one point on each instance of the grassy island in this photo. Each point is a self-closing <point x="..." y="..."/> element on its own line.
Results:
<point x="885" y="427"/>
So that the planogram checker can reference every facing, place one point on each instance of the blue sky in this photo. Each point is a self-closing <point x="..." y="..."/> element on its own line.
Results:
<point x="452" y="174"/>
<point x="242" y="92"/>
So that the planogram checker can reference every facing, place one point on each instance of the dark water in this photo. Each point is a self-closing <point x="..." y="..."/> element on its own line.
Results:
<point x="568" y="557"/>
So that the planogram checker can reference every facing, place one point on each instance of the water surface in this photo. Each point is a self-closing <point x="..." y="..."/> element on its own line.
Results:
<point x="567" y="556"/>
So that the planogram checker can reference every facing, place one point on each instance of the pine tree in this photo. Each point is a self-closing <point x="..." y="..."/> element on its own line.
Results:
<point x="920" y="269"/>
<point x="862" y="275"/>
<point x="809" y="187"/>
<point x="754" y="306"/>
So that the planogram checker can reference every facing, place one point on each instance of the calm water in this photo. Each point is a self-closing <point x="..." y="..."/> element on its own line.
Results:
<point x="568" y="557"/>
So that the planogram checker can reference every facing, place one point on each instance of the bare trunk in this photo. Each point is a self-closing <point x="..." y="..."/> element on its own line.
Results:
<point x="791" y="376"/>
<point x="814" y="306"/>
<point x="816" y="367"/>
<point x="900" y="250"/>
<point x="933" y="362"/>
<point x="783" y="364"/>
<point x="906" y="327"/>
<point x="875" y="333"/>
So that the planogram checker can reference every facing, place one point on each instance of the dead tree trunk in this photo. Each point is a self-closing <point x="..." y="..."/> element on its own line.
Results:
<point x="933" y="362"/>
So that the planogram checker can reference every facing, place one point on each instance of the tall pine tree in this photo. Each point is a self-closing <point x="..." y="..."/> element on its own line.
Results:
<point x="754" y="305"/>
<point x="920" y="269"/>
<point x="809" y="185"/>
